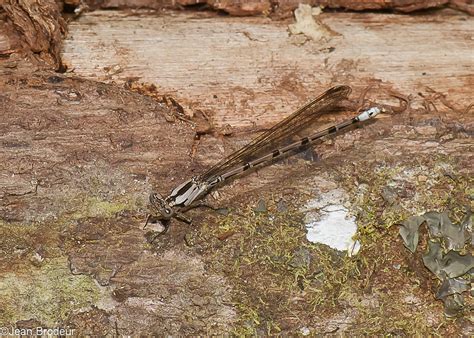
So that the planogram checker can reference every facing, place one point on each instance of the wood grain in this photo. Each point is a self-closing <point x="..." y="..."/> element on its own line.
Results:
<point x="80" y="157"/>
<point x="243" y="71"/>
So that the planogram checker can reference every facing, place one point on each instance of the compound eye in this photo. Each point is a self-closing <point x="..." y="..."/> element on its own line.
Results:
<point x="168" y="211"/>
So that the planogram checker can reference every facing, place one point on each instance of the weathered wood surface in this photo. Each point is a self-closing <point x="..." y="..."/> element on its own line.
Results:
<point x="242" y="71"/>
<point x="69" y="147"/>
<point x="79" y="158"/>
<point x="40" y="24"/>
<point x="278" y="8"/>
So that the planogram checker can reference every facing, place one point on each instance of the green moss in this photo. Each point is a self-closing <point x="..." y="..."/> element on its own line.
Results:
<point x="276" y="273"/>
<point x="420" y="187"/>
<point x="272" y="294"/>
<point x="47" y="294"/>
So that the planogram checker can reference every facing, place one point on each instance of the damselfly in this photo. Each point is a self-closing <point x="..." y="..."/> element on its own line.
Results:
<point x="186" y="195"/>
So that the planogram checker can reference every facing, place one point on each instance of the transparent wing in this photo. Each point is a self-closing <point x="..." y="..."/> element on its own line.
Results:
<point x="281" y="131"/>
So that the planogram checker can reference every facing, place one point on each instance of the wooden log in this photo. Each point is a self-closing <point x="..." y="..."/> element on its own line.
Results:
<point x="79" y="158"/>
<point x="282" y="8"/>
<point x="242" y="71"/>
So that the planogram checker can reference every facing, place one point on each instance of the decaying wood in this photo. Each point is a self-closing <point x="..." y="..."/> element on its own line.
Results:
<point x="61" y="137"/>
<point x="73" y="151"/>
<point x="79" y="158"/>
<point x="41" y="27"/>
<point x="397" y="5"/>
<point x="5" y="38"/>
<point x="282" y="8"/>
<point x="245" y="71"/>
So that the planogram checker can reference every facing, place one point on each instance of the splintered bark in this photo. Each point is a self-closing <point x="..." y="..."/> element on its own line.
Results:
<point x="40" y="27"/>
<point x="280" y="8"/>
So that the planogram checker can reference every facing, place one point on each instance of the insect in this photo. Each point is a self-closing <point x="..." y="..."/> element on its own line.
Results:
<point x="188" y="194"/>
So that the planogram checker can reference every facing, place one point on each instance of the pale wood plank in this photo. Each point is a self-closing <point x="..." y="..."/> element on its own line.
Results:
<point x="249" y="70"/>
